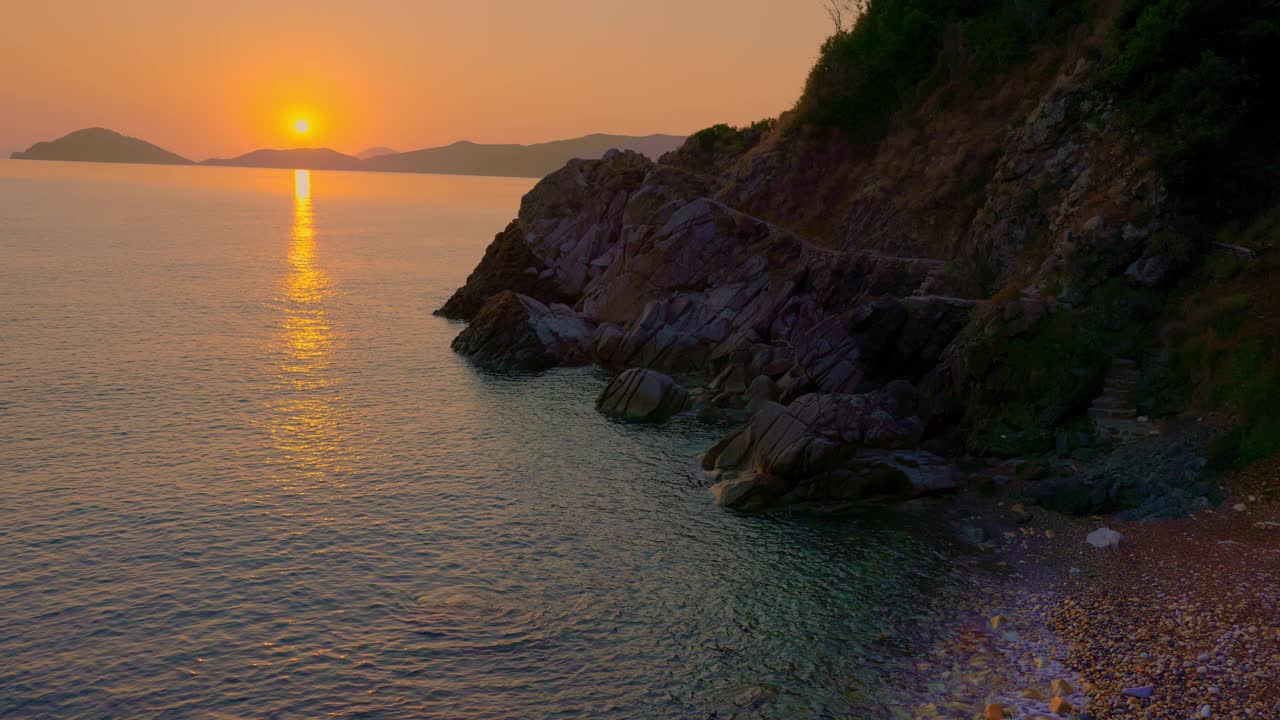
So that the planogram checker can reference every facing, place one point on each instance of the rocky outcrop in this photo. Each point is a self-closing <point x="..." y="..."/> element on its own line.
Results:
<point x="516" y="332"/>
<point x="643" y="395"/>
<point x="812" y="285"/>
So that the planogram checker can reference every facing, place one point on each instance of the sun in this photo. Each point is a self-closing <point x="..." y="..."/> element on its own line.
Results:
<point x="302" y="126"/>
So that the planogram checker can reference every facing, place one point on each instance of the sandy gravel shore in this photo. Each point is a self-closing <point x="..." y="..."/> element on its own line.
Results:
<point x="1184" y="615"/>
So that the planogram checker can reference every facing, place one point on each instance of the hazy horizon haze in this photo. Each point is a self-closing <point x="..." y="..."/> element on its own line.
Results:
<point x="220" y="80"/>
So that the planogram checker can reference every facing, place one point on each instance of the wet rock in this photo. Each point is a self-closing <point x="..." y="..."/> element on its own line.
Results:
<point x="994" y="711"/>
<point x="815" y="450"/>
<point x="749" y="492"/>
<point x="1060" y="706"/>
<point x="1156" y="477"/>
<point x="646" y="395"/>
<point x="516" y="332"/>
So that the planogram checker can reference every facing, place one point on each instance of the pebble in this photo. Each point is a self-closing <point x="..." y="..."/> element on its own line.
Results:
<point x="1143" y="692"/>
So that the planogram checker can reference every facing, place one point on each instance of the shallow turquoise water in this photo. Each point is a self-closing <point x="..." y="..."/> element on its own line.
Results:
<point x="242" y="476"/>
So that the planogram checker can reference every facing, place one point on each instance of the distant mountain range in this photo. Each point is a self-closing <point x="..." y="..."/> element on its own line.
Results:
<point x="301" y="158"/>
<point x="460" y="158"/>
<point x="468" y="158"/>
<point x="374" y="152"/>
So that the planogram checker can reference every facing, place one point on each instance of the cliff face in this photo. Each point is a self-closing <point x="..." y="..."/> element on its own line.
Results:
<point x="960" y="286"/>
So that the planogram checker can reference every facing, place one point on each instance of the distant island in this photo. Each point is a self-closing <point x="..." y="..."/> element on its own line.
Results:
<point x="460" y="158"/>
<point x="101" y="145"/>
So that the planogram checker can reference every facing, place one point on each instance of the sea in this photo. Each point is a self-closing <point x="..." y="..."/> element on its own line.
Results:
<point x="242" y="475"/>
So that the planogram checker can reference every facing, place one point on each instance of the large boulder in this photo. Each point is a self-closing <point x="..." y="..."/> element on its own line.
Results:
<point x="644" y="395"/>
<point x="509" y="263"/>
<point x="517" y="332"/>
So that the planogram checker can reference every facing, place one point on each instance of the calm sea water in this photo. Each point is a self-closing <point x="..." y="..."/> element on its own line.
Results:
<point x="243" y="476"/>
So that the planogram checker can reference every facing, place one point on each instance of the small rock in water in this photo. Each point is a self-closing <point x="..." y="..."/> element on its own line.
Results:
<point x="1104" y="538"/>
<point x="1034" y="693"/>
<point x="1060" y="687"/>
<point x="1143" y="692"/>
<point x="998" y="621"/>
<point x="994" y="711"/>
<point x="1059" y="706"/>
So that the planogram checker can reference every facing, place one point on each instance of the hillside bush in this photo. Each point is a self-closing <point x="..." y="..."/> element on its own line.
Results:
<point x="867" y="73"/>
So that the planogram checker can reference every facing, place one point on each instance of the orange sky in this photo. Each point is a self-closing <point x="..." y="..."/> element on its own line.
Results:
<point x="220" y="78"/>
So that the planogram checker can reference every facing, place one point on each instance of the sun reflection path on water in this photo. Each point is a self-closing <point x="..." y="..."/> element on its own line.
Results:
<point x="307" y="427"/>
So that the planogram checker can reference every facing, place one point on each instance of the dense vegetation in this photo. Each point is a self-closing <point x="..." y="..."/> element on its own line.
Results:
<point x="1198" y="78"/>
<point x="898" y="50"/>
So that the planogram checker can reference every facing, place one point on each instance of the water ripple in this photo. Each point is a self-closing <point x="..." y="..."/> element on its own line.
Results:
<point x="243" y="476"/>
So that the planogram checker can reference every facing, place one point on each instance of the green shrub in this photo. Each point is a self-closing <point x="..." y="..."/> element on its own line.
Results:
<point x="708" y="149"/>
<point x="719" y="138"/>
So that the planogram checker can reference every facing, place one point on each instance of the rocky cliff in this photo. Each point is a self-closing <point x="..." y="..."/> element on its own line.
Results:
<point x="959" y="286"/>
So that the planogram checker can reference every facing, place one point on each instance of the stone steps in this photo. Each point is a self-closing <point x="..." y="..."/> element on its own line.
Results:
<point x="1113" y="411"/>
<point x="1111" y="402"/>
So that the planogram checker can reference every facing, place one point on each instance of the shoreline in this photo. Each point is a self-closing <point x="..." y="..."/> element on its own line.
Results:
<point x="1180" y="614"/>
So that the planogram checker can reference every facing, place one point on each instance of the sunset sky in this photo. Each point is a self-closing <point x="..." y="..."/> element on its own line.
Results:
<point x="220" y="78"/>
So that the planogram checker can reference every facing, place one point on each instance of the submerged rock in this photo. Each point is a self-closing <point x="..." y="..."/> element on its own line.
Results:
<point x="640" y="394"/>
<point x="516" y="332"/>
